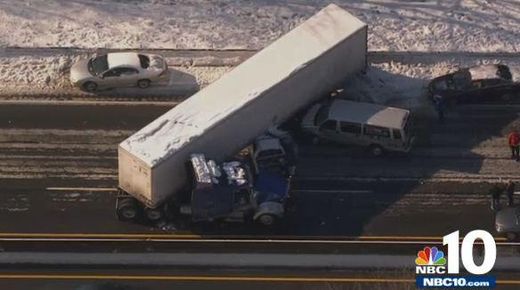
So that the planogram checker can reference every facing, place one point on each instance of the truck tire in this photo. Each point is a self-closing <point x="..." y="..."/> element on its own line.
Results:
<point x="127" y="210"/>
<point x="266" y="219"/>
<point x="154" y="214"/>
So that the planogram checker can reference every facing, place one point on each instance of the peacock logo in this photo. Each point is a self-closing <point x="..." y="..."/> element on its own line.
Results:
<point x="430" y="256"/>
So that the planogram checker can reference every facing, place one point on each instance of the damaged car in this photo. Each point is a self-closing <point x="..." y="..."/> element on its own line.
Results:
<point x="479" y="84"/>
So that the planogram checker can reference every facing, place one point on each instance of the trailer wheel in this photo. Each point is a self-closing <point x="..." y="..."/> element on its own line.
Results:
<point x="154" y="214"/>
<point x="266" y="219"/>
<point x="127" y="209"/>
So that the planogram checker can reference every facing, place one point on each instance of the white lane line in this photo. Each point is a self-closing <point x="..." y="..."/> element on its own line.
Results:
<point x="114" y="189"/>
<point x="81" y="189"/>
<point x="93" y="102"/>
<point x="239" y="241"/>
<point x="332" y="191"/>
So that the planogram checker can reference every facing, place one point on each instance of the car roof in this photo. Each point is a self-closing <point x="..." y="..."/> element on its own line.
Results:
<point x="482" y="72"/>
<point x="123" y="59"/>
<point x="367" y="113"/>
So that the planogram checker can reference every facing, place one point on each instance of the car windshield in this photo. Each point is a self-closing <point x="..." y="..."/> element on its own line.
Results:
<point x="406" y="128"/>
<point x="144" y="60"/>
<point x="504" y="72"/>
<point x="322" y="115"/>
<point x="98" y="65"/>
<point x="460" y="80"/>
<point x="440" y="85"/>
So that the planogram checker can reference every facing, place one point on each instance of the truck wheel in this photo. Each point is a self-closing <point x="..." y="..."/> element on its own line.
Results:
<point x="376" y="150"/>
<point x="511" y="236"/>
<point x="266" y="219"/>
<point x="153" y="214"/>
<point x="127" y="210"/>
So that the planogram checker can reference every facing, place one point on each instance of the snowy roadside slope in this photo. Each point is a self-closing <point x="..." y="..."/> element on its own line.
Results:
<point x="392" y="78"/>
<point x="397" y="25"/>
<point x="416" y="26"/>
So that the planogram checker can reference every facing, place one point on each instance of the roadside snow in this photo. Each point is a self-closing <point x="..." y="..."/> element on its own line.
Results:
<point x="35" y="71"/>
<point x="403" y="83"/>
<point x="394" y="25"/>
<point x="427" y="25"/>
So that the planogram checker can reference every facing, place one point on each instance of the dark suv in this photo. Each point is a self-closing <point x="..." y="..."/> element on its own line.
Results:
<point x="480" y="84"/>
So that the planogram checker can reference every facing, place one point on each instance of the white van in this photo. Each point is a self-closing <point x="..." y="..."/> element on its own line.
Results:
<point x="380" y="128"/>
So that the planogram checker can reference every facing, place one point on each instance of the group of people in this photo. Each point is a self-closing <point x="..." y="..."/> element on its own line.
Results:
<point x="497" y="190"/>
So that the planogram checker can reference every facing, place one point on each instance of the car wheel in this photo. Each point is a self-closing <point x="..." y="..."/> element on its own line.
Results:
<point x="266" y="220"/>
<point x="90" y="86"/>
<point x="511" y="236"/>
<point x="143" y="84"/>
<point x="376" y="150"/>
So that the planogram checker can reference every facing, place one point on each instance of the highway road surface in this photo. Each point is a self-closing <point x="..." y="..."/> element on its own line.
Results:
<point x="57" y="190"/>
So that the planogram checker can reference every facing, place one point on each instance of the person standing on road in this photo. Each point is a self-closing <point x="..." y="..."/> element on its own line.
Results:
<point x="438" y="100"/>
<point x="514" y="144"/>
<point x="510" y="191"/>
<point x="495" y="191"/>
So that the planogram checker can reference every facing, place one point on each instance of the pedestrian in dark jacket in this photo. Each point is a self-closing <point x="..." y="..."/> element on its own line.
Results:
<point x="514" y="143"/>
<point x="495" y="193"/>
<point x="439" y="106"/>
<point x="510" y="191"/>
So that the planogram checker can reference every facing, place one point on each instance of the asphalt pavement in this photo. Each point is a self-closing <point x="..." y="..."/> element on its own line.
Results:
<point x="58" y="174"/>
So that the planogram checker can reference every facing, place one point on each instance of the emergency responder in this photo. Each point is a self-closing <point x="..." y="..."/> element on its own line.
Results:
<point x="439" y="102"/>
<point x="495" y="191"/>
<point x="510" y="191"/>
<point x="514" y="144"/>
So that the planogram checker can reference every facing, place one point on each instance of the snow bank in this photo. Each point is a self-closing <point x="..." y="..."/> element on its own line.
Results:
<point x="427" y="25"/>
<point x="35" y="71"/>
<point x="402" y="83"/>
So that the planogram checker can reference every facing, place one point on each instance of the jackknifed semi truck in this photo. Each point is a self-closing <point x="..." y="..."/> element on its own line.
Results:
<point x="157" y="163"/>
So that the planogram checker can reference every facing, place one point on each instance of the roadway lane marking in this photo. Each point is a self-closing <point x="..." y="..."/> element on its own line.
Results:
<point x="34" y="102"/>
<point x="205" y="278"/>
<point x="332" y="191"/>
<point x="244" y="241"/>
<point x="115" y="189"/>
<point x="226" y="239"/>
<point x="98" y="189"/>
<point x="219" y="278"/>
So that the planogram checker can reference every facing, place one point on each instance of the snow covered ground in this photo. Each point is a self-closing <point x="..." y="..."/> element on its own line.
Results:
<point x="394" y="25"/>
<point x="437" y="25"/>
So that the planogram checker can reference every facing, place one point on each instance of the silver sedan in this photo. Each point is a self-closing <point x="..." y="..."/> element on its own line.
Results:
<point x="121" y="69"/>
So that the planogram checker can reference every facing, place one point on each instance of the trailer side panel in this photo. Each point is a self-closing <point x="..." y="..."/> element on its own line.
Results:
<point x="268" y="88"/>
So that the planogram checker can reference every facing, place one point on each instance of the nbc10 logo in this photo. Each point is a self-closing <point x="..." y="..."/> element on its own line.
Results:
<point x="431" y="260"/>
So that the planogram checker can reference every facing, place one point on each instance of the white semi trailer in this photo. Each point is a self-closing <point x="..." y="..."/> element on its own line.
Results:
<point x="221" y="119"/>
